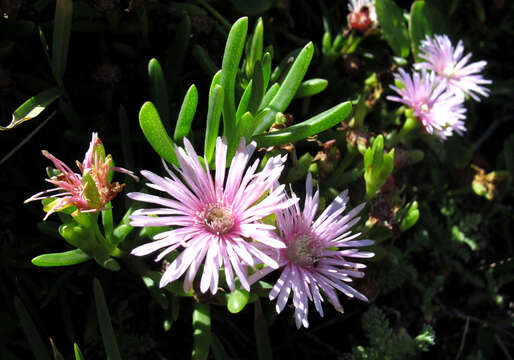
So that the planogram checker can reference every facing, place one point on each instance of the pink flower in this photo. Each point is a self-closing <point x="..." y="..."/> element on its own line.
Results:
<point x="450" y="65"/>
<point x="362" y="14"/>
<point x="316" y="255"/>
<point x="441" y="112"/>
<point x="88" y="191"/>
<point x="216" y="222"/>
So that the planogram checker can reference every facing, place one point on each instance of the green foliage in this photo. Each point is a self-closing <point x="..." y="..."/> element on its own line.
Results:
<point x="385" y="343"/>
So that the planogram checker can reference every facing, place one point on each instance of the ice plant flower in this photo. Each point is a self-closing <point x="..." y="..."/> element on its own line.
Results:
<point x="362" y="14"/>
<point x="440" y="111"/>
<point x="451" y="65"/>
<point x="90" y="190"/>
<point x="215" y="221"/>
<point x="316" y="256"/>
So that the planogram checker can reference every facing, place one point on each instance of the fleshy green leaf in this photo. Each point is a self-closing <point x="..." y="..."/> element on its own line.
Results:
<point x="61" y="37"/>
<point x="158" y="90"/>
<point x="186" y="114"/>
<point x="201" y="331"/>
<point x="246" y="127"/>
<point x="312" y="126"/>
<point x="257" y="89"/>
<point x="104" y="320"/>
<point x="66" y="258"/>
<point x="256" y="45"/>
<point x="78" y="353"/>
<point x="289" y="86"/>
<point x="155" y="133"/>
<point x="231" y="59"/>
<point x="245" y="100"/>
<point x="33" y="107"/>
<point x="237" y="300"/>
<point x="213" y="121"/>
<point x="311" y="87"/>
<point x="393" y="25"/>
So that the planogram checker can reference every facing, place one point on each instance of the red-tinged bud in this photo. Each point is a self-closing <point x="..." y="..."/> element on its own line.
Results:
<point x="360" y="20"/>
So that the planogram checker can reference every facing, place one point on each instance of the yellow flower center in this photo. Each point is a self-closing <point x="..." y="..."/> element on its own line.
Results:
<point x="217" y="218"/>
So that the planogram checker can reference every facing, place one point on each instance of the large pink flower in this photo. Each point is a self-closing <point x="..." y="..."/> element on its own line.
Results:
<point x="440" y="111"/>
<point x="216" y="222"/>
<point x="88" y="191"/>
<point x="452" y="67"/>
<point x="316" y="255"/>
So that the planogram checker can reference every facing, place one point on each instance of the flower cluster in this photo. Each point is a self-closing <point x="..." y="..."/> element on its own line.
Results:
<point x="219" y="223"/>
<point x="436" y="94"/>
<point x="90" y="190"/>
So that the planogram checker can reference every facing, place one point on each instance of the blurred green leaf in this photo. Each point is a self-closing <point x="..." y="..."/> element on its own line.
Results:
<point x="61" y="37"/>
<point x="260" y="328"/>
<point x="312" y="126"/>
<point x="104" y="320"/>
<point x="78" y="353"/>
<point x="66" y="258"/>
<point x="425" y="19"/>
<point x="201" y="331"/>
<point x="159" y="91"/>
<point x="29" y="328"/>
<point x="390" y="17"/>
<point x="186" y="114"/>
<point x="176" y="54"/>
<point x="301" y="169"/>
<point x="155" y="133"/>
<point x="33" y="107"/>
<point x="218" y="350"/>
<point x="125" y="138"/>
<point x="213" y="121"/>
<point x="204" y="60"/>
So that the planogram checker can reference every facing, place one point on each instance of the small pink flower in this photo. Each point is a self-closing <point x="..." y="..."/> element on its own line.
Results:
<point x="215" y="221"/>
<point x="316" y="255"/>
<point x="440" y="111"/>
<point x="452" y="67"/>
<point x="88" y="191"/>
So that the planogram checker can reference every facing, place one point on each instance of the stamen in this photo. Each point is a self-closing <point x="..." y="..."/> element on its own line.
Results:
<point x="304" y="250"/>
<point x="217" y="218"/>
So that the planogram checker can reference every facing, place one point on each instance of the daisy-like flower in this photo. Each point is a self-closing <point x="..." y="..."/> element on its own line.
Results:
<point x="452" y="66"/>
<point x="316" y="256"/>
<point x="217" y="222"/>
<point x="440" y="111"/>
<point x="362" y="14"/>
<point x="90" y="190"/>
